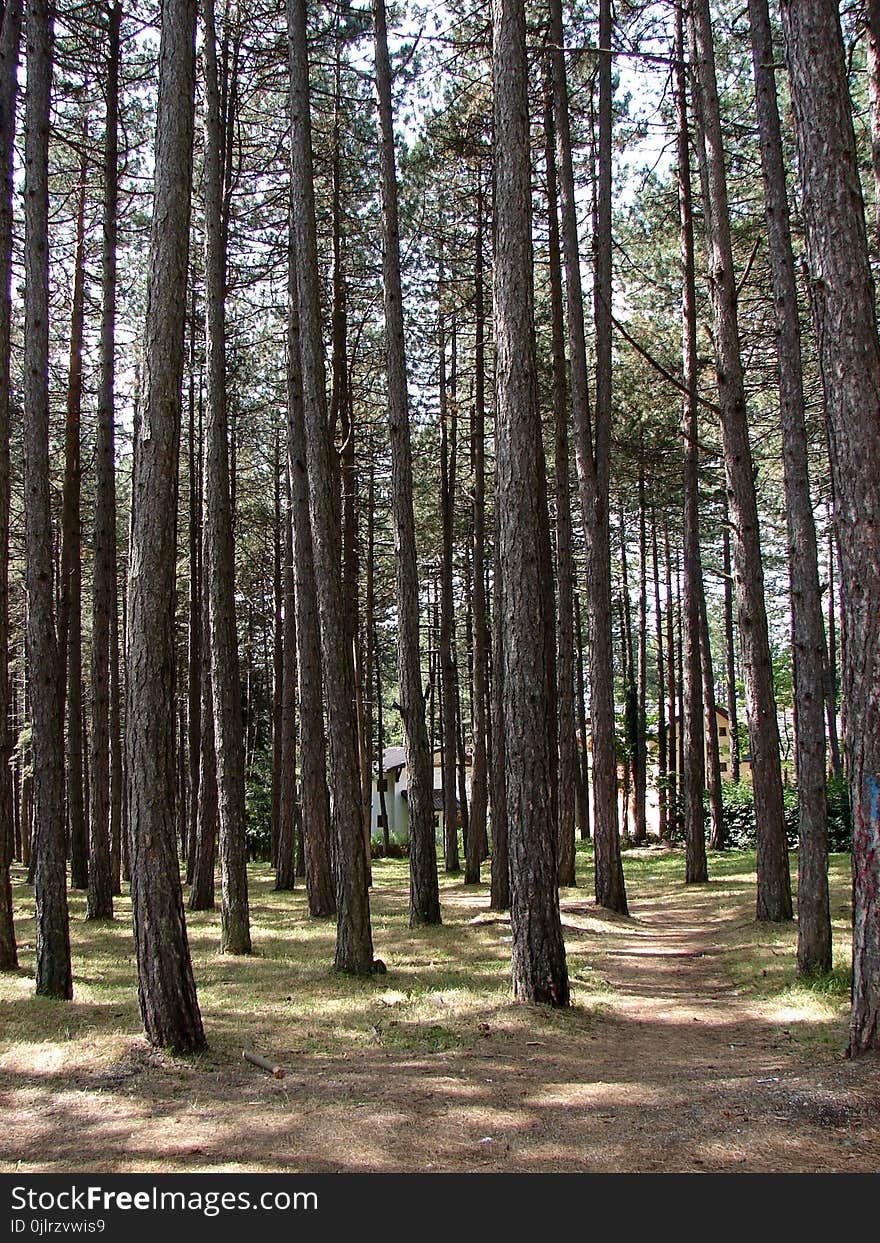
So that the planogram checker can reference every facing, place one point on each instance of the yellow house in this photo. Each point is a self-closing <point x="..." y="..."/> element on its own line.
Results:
<point x="722" y="723"/>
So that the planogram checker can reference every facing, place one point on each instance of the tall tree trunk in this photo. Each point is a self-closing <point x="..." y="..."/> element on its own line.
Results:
<point x="872" y="23"/>
<point x="640" y="767"/>
<point x="774" y="883"/>
<point x="713" y="758"/>
<point x="201" y="895"/>
<point x="194" y="651"/>
<point x="807" y="625"/>
<point x="354" y="941"/>
<point x="53" y="938"/>
<point x="662" y="725"/>
<point x="593" y="462"/>
<point x="424" y="906"/>
<point x="499" y="899"/>
<point x="477" y="839"/>
<point x="341" y="408"/>
<point x="832" y="683"/>
<point x="10" y="39"/>
<point x="280" y="566"/>
<point x="315" y="835"/>
<point x="101" y="872"/>
<point x="166" y="988"/>
<point x="582" y="802"/>
<point x="235" y="937"/>
<point x="539" y="969"/>
<point x="369" y="624"/>
<point x="479" y="762"/>
<point x="565" y="732"/>
<point x="730" y="650"/>
<point x="70" y="593"/>
<point x="675" y="714"/>
<point x="285" y="858"/>
<point x="447" y="609"/>
<point x="694" y="763"/>
<point x="630" y="699"/>
<point x="849" y="356"/>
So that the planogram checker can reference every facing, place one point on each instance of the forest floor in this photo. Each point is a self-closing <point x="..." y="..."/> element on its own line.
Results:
<point x="690" y="1044"/>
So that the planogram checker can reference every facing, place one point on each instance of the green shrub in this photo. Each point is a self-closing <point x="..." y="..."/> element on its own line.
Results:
<point x="839" y="815"/>
<point x="739" y="815"/>
<point x="258" y="813"/>
<point x="396" y="849"/>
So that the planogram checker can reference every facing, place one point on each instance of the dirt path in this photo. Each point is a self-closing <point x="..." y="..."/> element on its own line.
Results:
<point x="675" y="1071"/>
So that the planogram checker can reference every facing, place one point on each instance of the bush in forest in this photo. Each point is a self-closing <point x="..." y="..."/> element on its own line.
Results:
<point x="258" y="808"/>
<point x="396" y="849"/>
<point x="739" y="815"/>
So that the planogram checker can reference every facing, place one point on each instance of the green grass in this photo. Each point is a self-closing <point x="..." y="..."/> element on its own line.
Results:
<point x="444" y="985"/>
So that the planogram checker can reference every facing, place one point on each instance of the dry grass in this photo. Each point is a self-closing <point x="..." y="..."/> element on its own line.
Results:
<point x="690" y="1044"/>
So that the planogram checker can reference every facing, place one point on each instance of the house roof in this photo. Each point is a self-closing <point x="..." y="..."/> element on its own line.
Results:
<point x="438" y="799"/>
<point x="392" y="758"/>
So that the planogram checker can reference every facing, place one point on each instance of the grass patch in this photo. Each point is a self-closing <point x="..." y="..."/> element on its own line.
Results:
<point x="445" y="986"/>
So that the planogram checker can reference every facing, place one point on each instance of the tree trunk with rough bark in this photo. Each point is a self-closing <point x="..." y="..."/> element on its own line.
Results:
<point x="807" y="624"/>
<point x="774" y="883"/>
<point x="53" y="937"/>
<point x="166" y="988"/>
<point x="314" y="844"/>
<point x="424" y="903"/>
<point x="527" y="629"/>
<point x="593" y="461"/>
<point x="713" y="758"/>
<point x="662" y="722"/>
<point x="694" y="764"/>
<point x="235" y="936"/>
<point x="565" y="733"/>
<point x="100" y="901"/>
<point x="70" y="587"/>
<point x="10" y="40"/>
<point x="499" y="899"/>
<point x="201" y="894"/>
<point x="354" y="940"/>
<point x="479" y="763"/>
<point x="285" y="858"/>
<point x="872" y="24"/>
<point x="842" y="291"/>
<point x="730" y="651"/>
<point x="447" y="617"/>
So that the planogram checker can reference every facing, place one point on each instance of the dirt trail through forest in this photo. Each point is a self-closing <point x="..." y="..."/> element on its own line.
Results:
<point x="675" y="1071"/>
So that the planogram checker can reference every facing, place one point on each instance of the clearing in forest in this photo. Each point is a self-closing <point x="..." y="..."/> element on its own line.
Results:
<point x="690" y="1044"/>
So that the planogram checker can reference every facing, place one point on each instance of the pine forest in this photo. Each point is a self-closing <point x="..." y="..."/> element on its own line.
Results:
<point x="439" y="585"/>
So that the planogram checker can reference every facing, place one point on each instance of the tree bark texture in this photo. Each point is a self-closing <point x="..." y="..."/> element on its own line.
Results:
<point x="565" y="733"/>
<point x="285" y="856"/>
<point x="593" y="464"/>
<point x="774" y="883"/>
<point x="166" y="987"/>
<point x="52" y="932"/>
<point x="235" y="937"/>
<point x="538" y="967"/>
<point x="694" y="765"/>
<point x="70" y="593"/>
<point x="315" y="832"/>
<point x="479" y="759"/>
<point x="10" y="40"/>
<point x="842" y="292"/>
<point x="424" y="905"/>
<point x="354" y="941"/>
<point x="100" y="899"/>
<point x="807" y="623"/>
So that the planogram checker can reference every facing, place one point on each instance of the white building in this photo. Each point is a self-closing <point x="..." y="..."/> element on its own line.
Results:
<point x="394" y="784"/>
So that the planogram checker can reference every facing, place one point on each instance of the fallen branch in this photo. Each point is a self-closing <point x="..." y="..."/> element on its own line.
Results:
<point x="263" y="1063"/>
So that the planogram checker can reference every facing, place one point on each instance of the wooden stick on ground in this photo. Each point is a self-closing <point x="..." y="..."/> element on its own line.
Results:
<point x="263" y="1063"/>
